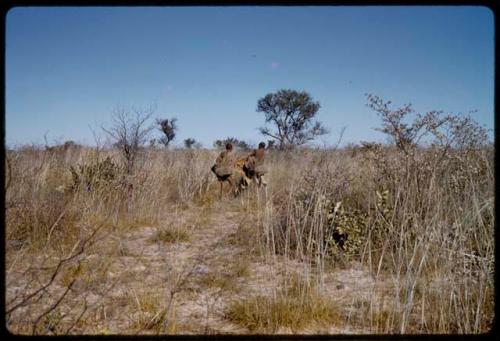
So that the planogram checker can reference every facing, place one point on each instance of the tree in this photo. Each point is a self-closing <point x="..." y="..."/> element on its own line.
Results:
<point x="292" y="113"/>
<point x="129" y="132"/>
<point x="271" y="144"/>
<point x="234" y="141"/>
<point x="189" y="143"/>
<point x="444" y="130"/>
<point x="168" y="128"/>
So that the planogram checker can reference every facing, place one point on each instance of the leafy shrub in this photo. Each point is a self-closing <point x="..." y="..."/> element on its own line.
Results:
<point x="346" y="230"/>
<point x="94" y="174"/>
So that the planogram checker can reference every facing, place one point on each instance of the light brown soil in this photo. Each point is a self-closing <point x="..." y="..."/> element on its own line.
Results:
<point x="193" y="280"/>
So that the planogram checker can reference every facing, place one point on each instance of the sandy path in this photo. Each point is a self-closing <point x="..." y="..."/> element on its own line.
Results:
<point x="193" y="269"/>
<point x="201" y="272"/>
<point x="194" y="281"/>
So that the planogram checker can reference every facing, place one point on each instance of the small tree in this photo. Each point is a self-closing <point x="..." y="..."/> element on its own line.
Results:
<point x="168" y="128"/>
<point x="129" y="132"/>
<point x="444" y="130"/>
<point x="292" y="113"/>
<point x="189" y="143"/>
<point x="221" y="144"/>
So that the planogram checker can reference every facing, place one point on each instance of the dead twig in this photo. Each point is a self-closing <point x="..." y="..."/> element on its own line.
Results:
<point x="83" y="245"/>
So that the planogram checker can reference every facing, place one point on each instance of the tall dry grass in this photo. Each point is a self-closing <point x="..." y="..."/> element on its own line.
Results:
<point x="57" y="199"/>
<point x="423" y="226"/>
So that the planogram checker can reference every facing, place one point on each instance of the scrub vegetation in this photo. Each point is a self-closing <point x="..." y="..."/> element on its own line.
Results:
<point x="366" y="239"/>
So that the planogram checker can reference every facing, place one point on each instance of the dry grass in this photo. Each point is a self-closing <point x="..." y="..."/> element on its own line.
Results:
<point x="152" y="315"/>
<point x="241" y="268"/>
<point x="296" y="306"/>
<point x="227" y="279"/>
<point x="423" y="231"/>
<point x="172" y="235"/>
<point x="432" y="233"/>
<point x="247" y="236"/>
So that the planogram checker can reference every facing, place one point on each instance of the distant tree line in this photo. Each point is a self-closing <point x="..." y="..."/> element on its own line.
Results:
<point x="290" y="121"/>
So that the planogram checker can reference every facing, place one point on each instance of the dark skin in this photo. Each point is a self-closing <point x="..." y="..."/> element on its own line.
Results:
<point x="258" y="156"/>
<point x="220" y="160"/>
<point x="222" y="184"/>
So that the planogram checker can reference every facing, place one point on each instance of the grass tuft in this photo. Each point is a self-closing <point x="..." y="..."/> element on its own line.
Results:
<point x="172" y="235"/>
<point x="295" y="307"/>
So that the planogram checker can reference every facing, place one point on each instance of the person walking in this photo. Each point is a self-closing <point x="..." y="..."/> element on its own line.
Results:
<point x="254" y="166"/>
<point x="223" y="167"/>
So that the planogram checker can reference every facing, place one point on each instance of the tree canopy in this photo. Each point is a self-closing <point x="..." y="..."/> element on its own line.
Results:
<point x="291" y="114"/>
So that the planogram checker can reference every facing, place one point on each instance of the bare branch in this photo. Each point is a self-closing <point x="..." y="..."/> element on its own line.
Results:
<point x="54" y="306"/>
<point x="340" y="137"/>
<point x="83" y="245"/>
<point x="129" y="132"/>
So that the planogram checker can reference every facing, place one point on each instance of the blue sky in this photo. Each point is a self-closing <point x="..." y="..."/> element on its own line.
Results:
<point x="68" y="68"/>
